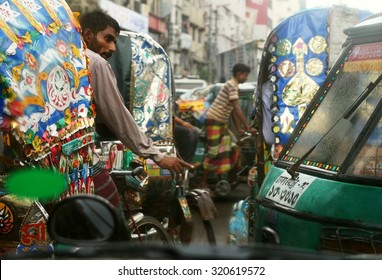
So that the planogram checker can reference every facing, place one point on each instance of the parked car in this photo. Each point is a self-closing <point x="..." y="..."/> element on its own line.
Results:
<point x="189" y="83"/>
<point x="184" y="85"/>
<point x="324" y="192"/>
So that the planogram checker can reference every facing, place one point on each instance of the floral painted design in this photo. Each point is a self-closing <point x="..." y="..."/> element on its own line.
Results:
<point x="46" y="97"/>
<point x="62" y="48"/>
<point x="153" y="91"/>
<point x="32" y="62"/>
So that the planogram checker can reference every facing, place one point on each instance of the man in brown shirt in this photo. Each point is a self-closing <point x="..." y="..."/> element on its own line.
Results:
<point x="100" y="32"/>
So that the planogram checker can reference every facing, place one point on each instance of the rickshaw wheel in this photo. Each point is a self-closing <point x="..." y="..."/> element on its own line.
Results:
<point x="222" y="188"/>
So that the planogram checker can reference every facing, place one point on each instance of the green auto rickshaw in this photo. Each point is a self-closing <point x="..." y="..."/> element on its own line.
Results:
<point x="324" y="192"/>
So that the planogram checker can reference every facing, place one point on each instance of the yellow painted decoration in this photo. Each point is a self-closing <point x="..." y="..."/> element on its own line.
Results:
<point x="8" y="31"/>
<point x="52" y="14"/>
<point x="362" y="66"/>
<point x="28" y="16"/>
<point x="301" y="88"/>
<point x="16" y="71"/>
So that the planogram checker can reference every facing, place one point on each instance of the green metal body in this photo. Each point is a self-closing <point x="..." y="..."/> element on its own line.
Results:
<point x="324" y="204"/>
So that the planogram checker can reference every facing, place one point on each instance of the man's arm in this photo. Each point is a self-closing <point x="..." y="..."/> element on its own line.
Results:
<point x="111" y="109"/>
<point x="237" y="123"/>
<point x="183" y="123"/>
<point x="238" y="113"/>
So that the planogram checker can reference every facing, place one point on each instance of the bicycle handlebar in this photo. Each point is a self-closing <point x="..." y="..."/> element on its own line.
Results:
<point x="246" y="136"/>
<point x="138" y="170"/>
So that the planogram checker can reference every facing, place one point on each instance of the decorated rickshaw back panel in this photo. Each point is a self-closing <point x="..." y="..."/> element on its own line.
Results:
<point x="44" y="80"/>
<point x="296" y="61"/>
<point x="145" y="78"/>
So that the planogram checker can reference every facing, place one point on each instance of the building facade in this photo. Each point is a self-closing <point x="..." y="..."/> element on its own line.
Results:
<point x="261" y="17"/>
<point x="204" y="38"/>
<point x="186" y="36"/>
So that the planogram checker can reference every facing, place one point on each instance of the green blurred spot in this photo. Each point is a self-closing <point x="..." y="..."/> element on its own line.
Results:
<point x="41" y="184"/>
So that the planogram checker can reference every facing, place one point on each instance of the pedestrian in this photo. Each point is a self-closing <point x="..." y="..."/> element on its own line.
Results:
<point x="100" y="33"/>
<point x="221" y="155"/>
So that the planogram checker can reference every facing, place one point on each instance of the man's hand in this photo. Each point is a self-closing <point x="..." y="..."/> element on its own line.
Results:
<point x="188" y="125"/>
<point x="183" y="123"/>
<point x="252" y="131"/>
<point x="175" y="165"/>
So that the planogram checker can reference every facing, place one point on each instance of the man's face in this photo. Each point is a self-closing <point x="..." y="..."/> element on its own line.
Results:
<point x="103" y="43"/>
<point x="242" y="77"/>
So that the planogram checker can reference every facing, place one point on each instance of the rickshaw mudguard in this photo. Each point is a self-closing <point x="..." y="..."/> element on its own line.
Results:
<point x="23" y="226"/>
<point x="12" y="213"/>
<point x="203" y="200"/>
<point x="318" y="199"/>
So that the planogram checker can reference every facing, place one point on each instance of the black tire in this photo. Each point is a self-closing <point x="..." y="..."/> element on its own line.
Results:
<point x="202" y="231"/>
<point x="149" y="230"/>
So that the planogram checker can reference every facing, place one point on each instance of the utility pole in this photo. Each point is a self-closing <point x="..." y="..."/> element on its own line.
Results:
<point x="213" y="36"/>
<point x="210" y="44"/>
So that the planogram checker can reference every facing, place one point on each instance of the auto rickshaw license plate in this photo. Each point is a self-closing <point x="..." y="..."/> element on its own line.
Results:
<point x="288" y="191"/>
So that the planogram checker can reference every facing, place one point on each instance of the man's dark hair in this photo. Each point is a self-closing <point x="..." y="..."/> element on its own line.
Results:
<point x="97" y="21"/>
<point x="240" y="67"/>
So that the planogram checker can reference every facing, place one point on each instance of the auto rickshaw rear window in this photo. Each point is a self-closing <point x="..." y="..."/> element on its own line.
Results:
<point x="368" y="163"/>
<point x="325" y="123"/>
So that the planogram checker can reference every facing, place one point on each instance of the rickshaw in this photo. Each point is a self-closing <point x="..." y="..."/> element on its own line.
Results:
<point x="192" y="107"/>
<point x="324" y="190"/>
<point x="46" y="117"/>
<point x="145" y="80"/>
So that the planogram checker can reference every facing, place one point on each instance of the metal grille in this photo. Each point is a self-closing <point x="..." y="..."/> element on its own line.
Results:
<point x="351" y="240"/>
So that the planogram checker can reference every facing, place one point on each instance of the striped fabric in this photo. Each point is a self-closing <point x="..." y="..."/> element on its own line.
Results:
<point x="222" y="107"/>
<point x="104" y="185"/>
<point x="222" y="154"/>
